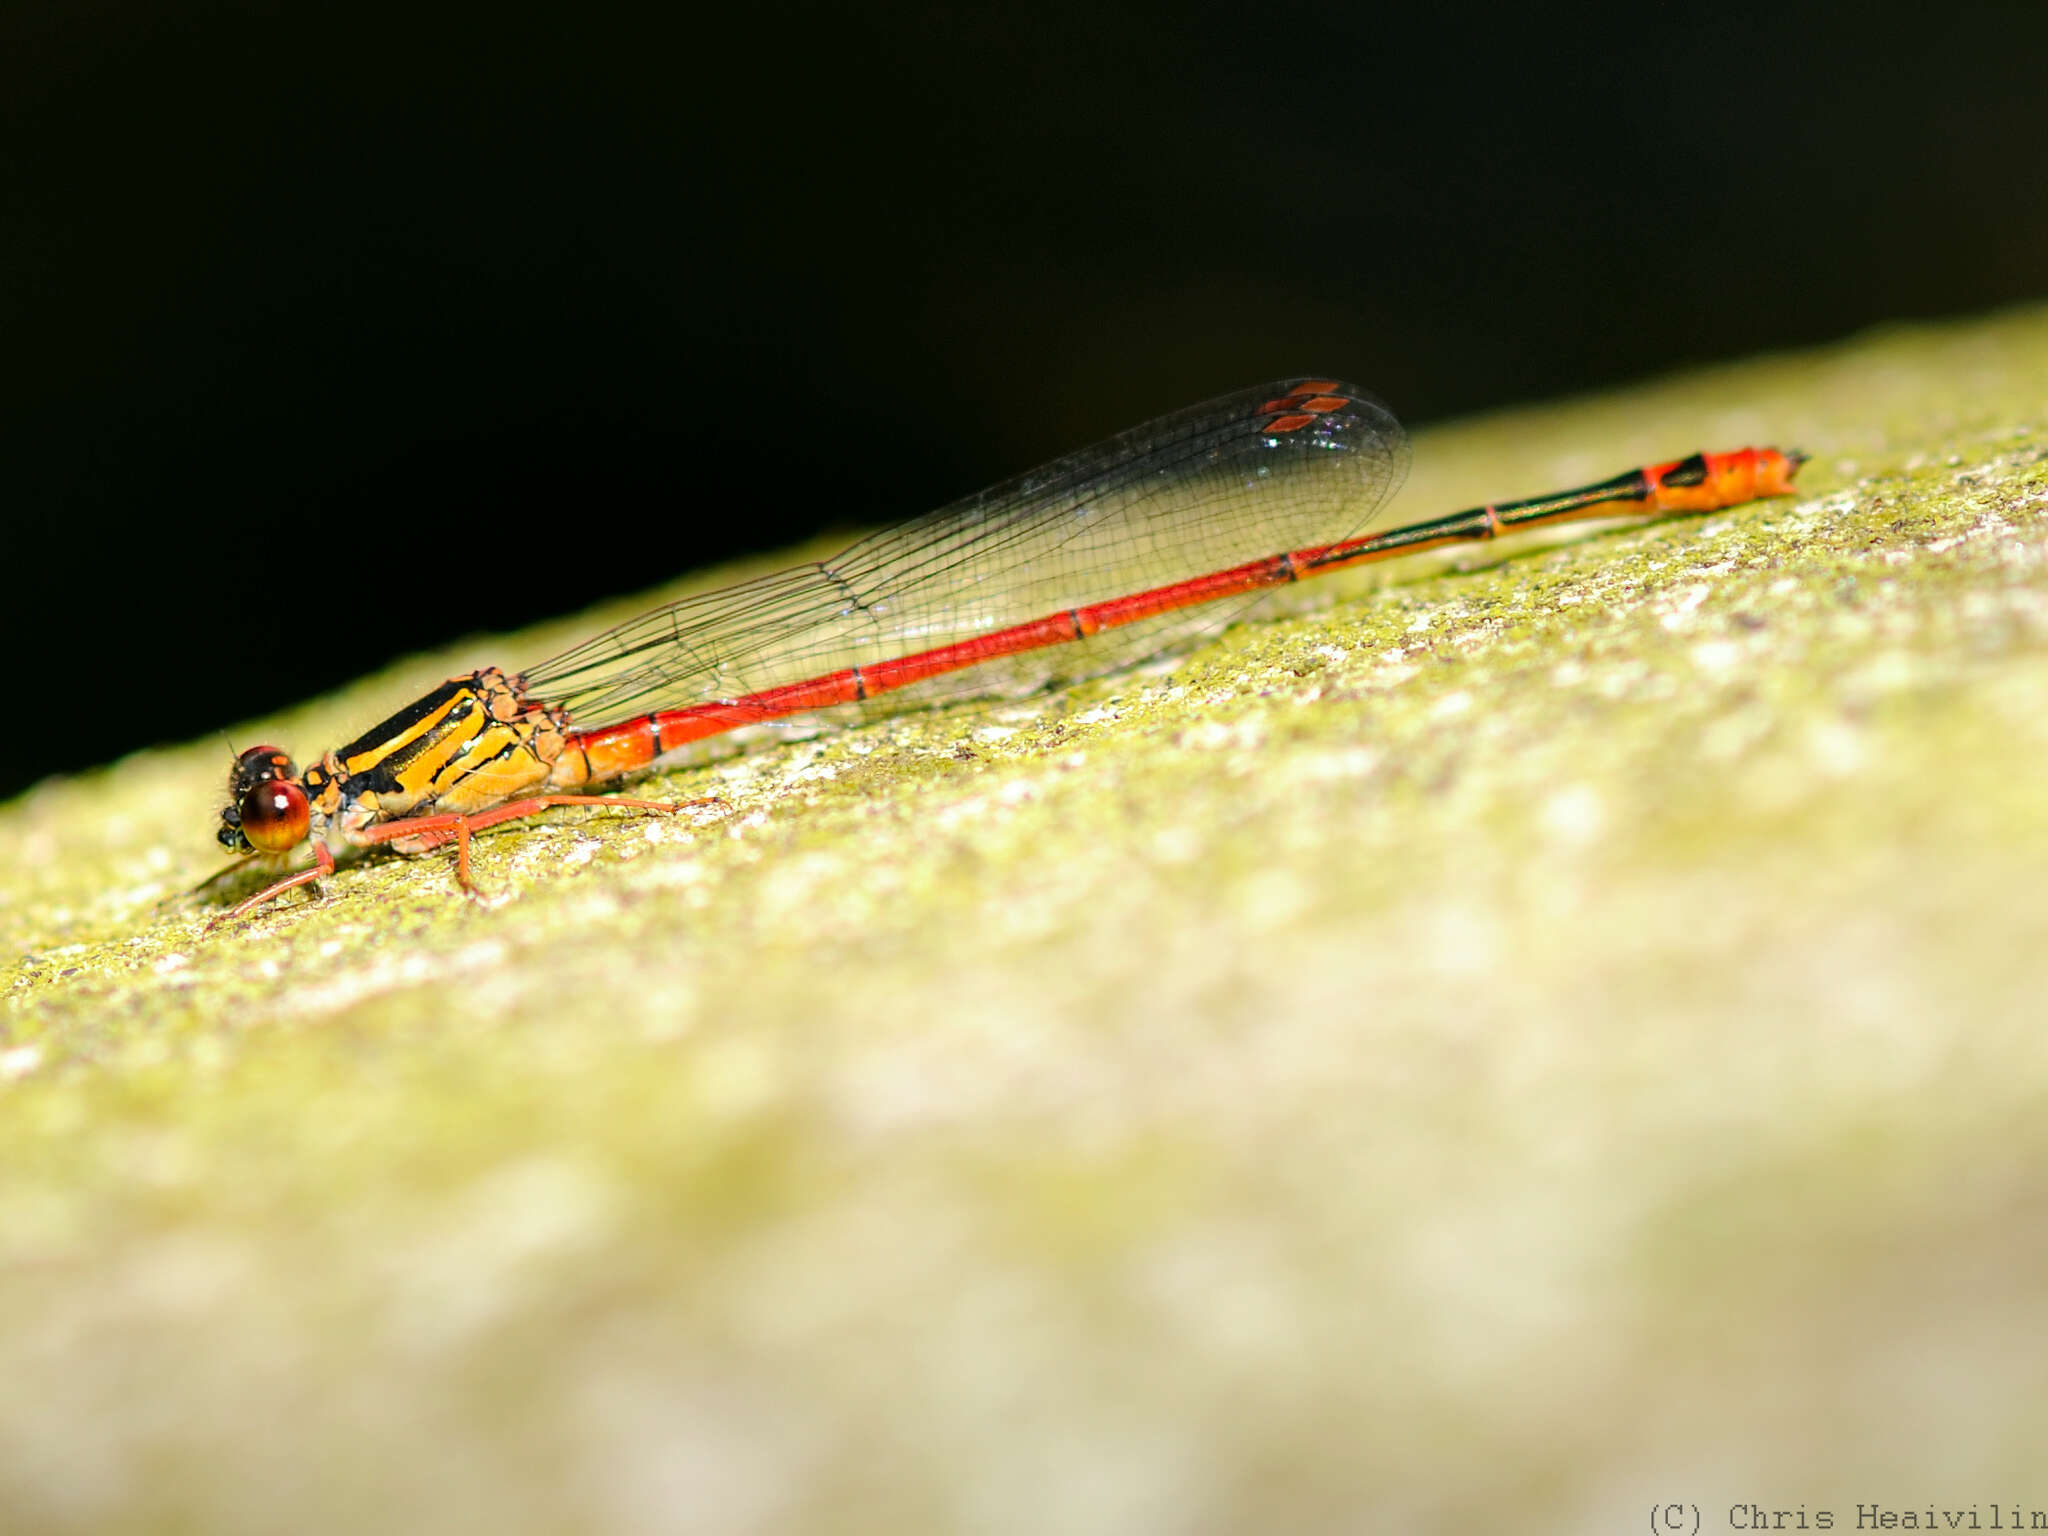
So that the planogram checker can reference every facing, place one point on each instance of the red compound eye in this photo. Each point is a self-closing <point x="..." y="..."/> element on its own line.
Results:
<point x="275" y="816"/>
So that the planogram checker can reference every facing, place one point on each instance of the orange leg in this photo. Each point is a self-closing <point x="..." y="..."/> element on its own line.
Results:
<point x="226" y="872"/>
<point x="432" y="831"/>
<point x="323" y="864"/>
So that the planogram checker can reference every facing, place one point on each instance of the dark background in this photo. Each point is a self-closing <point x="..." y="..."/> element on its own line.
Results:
<point x="332" y="334"/>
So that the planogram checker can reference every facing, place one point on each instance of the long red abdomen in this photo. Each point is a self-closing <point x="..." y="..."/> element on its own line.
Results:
<point x="1705" y="482"/>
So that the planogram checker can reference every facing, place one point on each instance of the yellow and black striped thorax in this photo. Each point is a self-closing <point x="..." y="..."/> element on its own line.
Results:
<point x="467" y="743"/>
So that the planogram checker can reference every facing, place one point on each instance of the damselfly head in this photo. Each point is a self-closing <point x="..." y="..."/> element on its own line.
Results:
<point x="267" y="809"/>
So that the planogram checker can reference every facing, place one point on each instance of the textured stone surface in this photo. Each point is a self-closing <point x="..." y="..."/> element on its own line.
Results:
<point x="1509" y="1045"/>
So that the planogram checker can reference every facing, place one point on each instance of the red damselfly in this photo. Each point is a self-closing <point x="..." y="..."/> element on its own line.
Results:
<point x="1100" y="560"/>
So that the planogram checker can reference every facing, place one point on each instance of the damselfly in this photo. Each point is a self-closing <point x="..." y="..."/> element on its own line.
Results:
<point x="1100" y="560"/>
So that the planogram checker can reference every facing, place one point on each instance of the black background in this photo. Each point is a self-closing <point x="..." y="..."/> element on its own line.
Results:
<point x="331" y="334"/>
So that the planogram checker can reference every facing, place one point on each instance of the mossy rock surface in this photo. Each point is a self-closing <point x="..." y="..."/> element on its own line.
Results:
<point x="1511" y="1045"/>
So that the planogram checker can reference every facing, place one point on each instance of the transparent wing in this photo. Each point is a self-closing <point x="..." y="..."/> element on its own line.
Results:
<point x="1283" y="467"/>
